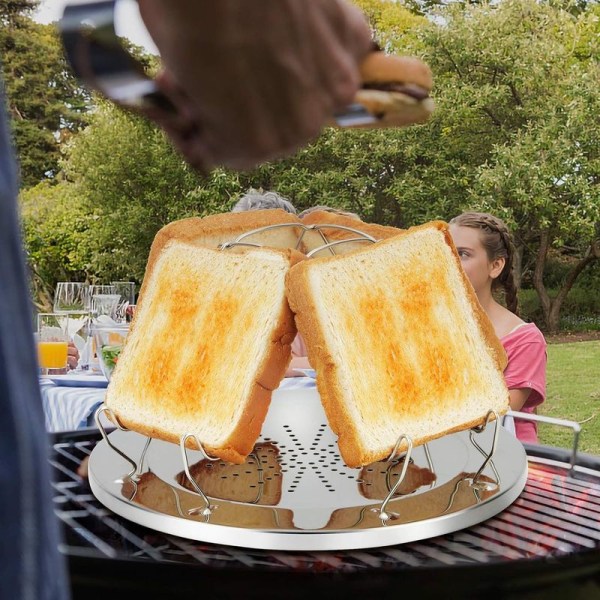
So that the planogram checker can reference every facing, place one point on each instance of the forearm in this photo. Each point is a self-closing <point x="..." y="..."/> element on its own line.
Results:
<point x="518" y="397"/>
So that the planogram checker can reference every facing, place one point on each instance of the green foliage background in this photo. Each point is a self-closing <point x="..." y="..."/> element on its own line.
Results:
<point x="515" y="132"/>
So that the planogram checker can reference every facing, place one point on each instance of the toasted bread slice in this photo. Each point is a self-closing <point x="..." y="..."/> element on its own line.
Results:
<point x="323" y="234"/>
<point x="207" y="347"/>
<point x="214" y="230"/>
<point x="399" y="342"/>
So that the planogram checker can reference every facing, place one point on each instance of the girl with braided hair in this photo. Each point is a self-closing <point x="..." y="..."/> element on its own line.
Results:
<point x="486" y="251"/>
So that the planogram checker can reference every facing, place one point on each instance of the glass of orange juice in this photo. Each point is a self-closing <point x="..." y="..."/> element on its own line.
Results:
<point x="52" y="342"/>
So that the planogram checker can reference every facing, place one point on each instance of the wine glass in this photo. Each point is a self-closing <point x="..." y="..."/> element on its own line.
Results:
<point x="71" y="296"/>
<point x="126" y="291"/>
<point x="105" y="305"/>
<point x="102" y="289"/>
<point x="100" y="303"/>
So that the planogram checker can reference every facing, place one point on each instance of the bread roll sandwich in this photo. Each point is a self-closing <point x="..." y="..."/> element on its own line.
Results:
<point x="208" y="344"/>
<point x="395" y="89"/>
<point x="315" y="238"/>
<point x="214" y="230"/>
<point x="399" y="343"/>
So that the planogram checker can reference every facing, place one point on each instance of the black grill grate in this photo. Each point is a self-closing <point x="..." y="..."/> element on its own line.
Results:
<point x="554" y="516"/>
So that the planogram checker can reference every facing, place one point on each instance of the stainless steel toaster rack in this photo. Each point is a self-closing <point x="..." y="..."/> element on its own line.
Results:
<point x="295" y="493"/>
<point x="242" y="240"/>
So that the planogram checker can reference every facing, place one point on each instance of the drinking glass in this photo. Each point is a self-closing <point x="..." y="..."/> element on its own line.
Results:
<point x="102" y="289"/>
<point x="126" y="291"/>
<point x="71" y="296"/>
<point x="52" y="342"/>
<point x="105" y="305"/>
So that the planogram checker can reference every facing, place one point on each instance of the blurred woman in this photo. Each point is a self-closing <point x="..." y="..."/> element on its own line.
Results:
<point x="486" y="250"/>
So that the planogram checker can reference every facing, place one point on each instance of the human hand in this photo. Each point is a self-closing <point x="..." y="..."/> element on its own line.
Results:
<point x="72" y="355"/>
<point x="253" y="81"/>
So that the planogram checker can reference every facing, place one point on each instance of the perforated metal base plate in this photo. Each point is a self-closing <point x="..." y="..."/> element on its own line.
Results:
<point x="295" y="493"/>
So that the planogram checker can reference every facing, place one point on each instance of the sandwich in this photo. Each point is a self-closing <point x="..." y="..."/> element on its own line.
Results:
<point x="399" y="342"/>
<point x="395" y="89"/>
<point x="329" y="229"/>
<point x="214" y="230"/>
<point x="208" y="344"/>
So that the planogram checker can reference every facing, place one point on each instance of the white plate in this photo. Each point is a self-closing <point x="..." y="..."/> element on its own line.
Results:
<point x="78" y="380"/>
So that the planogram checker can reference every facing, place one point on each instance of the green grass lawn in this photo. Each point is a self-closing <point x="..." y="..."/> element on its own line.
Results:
<point x="573" y="393"/>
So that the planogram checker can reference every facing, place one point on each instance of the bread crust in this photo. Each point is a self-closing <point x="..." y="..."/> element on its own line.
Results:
<point x="329" y="372"/>
<point x="312" y="239"/>
<point x="215" y="229"/>
<point x="485" y="323"/>
<point x="393" y="108"/>
<point x="267" y="374"/>
<point x="379" y="67"/>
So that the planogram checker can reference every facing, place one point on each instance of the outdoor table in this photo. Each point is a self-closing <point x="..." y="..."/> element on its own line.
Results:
<point x="68" y="408"/>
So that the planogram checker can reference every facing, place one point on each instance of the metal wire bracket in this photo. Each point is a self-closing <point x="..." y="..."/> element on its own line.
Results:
<point x="476" y="482"/>
<point x="134" y="475"/>
<point x="317" y="227"/>
<point x="208" y="508"/>
<point x="383" y="515"/>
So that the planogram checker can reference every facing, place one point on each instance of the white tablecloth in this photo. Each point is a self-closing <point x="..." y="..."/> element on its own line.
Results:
<point x="70" y="408"/>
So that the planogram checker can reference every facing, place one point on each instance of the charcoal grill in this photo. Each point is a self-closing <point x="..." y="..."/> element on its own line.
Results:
<point x="546" y="544"/>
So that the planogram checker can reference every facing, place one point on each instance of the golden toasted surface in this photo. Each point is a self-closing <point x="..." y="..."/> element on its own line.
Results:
<point x="379" y="67"/>
<point x="399" y="342"/>
<point x="213" y="230"/>
<point x="210" y="342"/>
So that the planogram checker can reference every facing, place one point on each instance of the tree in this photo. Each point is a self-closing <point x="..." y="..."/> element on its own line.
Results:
<point x="394" y="26"/>
<point x="548" y="184"/>
<point x="518" y="107"/>
<point x="132" y="182"/>
<point x="515" y="132"/>
<point x="46" y="103"/>
<point x="57" y="228"/>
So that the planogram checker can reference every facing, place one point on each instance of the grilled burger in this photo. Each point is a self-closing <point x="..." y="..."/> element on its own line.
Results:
<point x="395" y="89"/>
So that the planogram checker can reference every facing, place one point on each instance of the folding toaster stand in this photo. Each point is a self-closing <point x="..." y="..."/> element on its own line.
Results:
<point x="294" y="492"/>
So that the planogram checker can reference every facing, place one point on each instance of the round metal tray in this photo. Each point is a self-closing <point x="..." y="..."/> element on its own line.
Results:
<point x="295" y="493"/>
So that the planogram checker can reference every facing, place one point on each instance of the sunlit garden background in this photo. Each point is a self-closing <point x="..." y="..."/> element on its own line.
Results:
<point x="516" y="132"/>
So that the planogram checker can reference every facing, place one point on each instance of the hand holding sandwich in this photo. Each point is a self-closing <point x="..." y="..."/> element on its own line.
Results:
<point x="253" y="80"/>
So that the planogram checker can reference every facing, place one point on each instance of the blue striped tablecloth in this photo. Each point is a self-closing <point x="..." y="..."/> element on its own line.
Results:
<point x="70" y="408"/>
